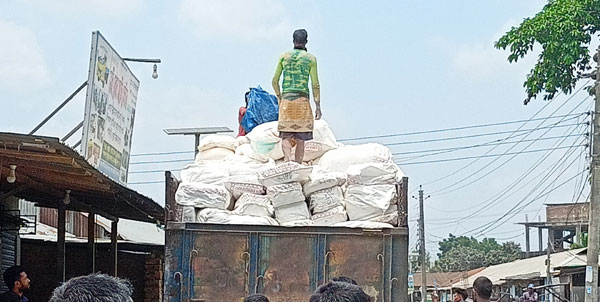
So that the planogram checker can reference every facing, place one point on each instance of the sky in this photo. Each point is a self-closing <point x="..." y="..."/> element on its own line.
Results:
<point x="385" y="67"/>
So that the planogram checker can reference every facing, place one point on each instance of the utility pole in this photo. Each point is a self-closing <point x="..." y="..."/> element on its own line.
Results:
<point x="422" y="246"/>
<point x="548" y="275"/>
<point x="591" y="276"/>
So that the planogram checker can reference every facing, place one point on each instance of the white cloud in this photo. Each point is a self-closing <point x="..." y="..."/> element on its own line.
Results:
<point x="22" y="62"/>
<point x="237" y="19"/>
<point x="481" y="60"/>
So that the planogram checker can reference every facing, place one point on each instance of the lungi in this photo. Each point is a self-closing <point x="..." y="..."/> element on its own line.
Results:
<point x="295" y="117"/>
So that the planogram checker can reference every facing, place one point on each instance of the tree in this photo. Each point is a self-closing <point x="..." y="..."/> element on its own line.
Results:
<point x="415" y="260"/>
<point x="466" y="253"/>
<point x="564" y="29"/>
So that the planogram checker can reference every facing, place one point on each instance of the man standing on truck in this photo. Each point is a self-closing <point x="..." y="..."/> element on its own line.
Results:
<point x="295" y="114"/>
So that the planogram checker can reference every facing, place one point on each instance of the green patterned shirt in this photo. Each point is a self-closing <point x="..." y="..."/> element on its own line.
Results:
<point x="297" y="66"/>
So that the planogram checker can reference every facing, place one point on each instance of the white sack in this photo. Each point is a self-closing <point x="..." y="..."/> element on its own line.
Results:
<point x="340" y="159"/>
<point x="210" y="173"/>
<point x="242" y="140"/>
<point x="285" y="194"/>
<point x="323" y="141"/>
<point x="243" y="165"/>
<point x="292" y="212"/>
<point x="217" y="216"/>
<point x="265" y="142"/>
<point x="253" y="205"/>
<point x="213" y="154"/>
<point x="368" y="202"/>
<point x="326" y="199"/>
<point x="320" y="180"/>
<point x="374" y="174"/>
<point x="390" y="216"/>
<point x="298" y="223"/>
<point x="364" y="225"/>
<point x="330" y="217"/>
<point x="201" y="195"/>
<point x="188" y="214"/>
<point x="284" y="173"/>
<point x="217" y="141"/>
<point x="240" y="184"/>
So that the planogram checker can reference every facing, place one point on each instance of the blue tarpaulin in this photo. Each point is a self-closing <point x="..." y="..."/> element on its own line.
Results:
<point x="262" y="108"/>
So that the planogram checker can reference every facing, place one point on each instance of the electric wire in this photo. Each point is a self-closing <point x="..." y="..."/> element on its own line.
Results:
<point x="441" y="191"/>
<point x="530" y="119"/>
<point x="511" y="188"/>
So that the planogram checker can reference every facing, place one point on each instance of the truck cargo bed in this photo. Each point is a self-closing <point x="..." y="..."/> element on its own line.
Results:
<point x="210" y="262"/>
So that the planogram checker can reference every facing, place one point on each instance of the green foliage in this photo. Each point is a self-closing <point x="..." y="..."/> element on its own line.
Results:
<point x="414" y="259"/>
<point x="563" y="29"/>
<point x="466" y="253"/>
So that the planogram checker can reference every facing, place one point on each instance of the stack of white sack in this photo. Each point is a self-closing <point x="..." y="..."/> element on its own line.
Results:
<point x="283" y="182"/>
<point x="372" y="194"/>
<point x="326" y="198"/>
<point x="202" y="186"/>
<point x="216" y="147"/>
<point x="265" y="144"/>
<point x="217" y="178"/>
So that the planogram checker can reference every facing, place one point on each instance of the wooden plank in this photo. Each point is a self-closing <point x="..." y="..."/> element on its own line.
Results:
<point x="37" y="156"/>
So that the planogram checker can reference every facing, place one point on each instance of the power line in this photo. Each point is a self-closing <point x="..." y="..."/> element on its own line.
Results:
<point x="479" y="135"/>
<point x="489" y="155"/>
<point x="497" y="158"/>
<point x="163" y="153"/>
<point x="482" y="231"/>
<point x="491" y="143"/>
<point x="496" y="198"/>
<point x="146" y="182"/>
<point x="154" y="171"/>
<point x="446" y="129"/>
<point x="162" y="161"/>
<point x="531" y="118"/>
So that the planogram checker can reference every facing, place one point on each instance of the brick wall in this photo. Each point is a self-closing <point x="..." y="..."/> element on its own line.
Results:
<point x="153" y="280"/>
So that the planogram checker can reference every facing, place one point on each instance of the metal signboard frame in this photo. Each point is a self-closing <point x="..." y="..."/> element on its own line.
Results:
<point x="109" y="110"/>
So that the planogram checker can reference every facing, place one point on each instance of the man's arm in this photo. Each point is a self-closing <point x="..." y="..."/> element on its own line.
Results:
<point x="316" y="88"/>
<point x="276" y="76"/>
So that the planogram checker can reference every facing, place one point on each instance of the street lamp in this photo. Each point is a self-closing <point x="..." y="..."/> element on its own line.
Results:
<point x="154" y="68"/>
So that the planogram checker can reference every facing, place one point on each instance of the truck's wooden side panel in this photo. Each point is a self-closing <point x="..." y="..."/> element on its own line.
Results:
<point x="207" y="262"/>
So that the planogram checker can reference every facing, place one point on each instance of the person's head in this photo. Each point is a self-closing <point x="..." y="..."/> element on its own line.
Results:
<point x="300" y="38"/>
<point x="256" y="298"/>
<point x="16" y="279"/>
<point x="93" y="288"/>
<point x="482" y="289"/>
<point x="460" y="294"/>
<point x="530" y="288"/>
<point x="344" y="279"/>
<point x="339" y="292"/>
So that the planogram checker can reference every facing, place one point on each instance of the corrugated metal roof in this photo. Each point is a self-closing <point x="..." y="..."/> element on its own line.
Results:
<point x="499" y="273"/>
<point x="46" y="168"/>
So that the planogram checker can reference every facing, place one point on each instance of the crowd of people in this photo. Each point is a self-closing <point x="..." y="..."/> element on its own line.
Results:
<point x="105" y="288"/>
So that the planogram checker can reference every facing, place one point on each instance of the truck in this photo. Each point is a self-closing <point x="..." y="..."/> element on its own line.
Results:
<point x="215" y="262"/>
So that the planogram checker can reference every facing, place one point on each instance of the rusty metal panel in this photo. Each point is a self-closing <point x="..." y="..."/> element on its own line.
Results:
<point x="173" y="276"/>
<point x="287" y="267"/>
<point x="173" y="211"/>
<point x="219" y="266"/>
<point x="572" y="213"/>
<point x="361" y="258"/>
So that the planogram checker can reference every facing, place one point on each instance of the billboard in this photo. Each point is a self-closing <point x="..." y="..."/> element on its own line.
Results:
<point x="109" y="111"/>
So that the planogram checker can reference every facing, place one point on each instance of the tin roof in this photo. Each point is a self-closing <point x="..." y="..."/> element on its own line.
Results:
<point x="46" y="168"/>
<point x="534" y="267"/>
